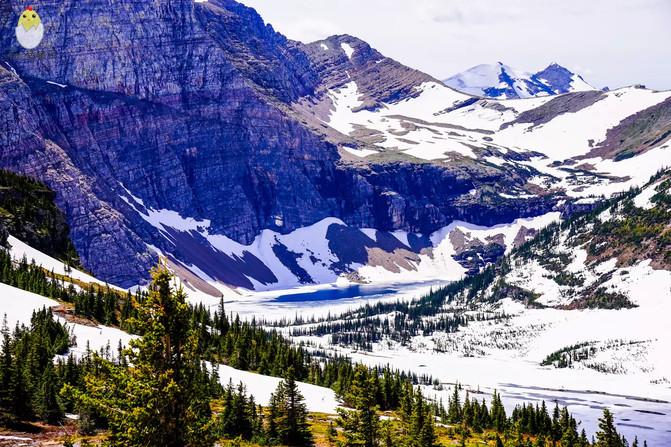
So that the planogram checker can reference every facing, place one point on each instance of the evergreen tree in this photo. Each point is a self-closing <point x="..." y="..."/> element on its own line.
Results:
<point x="388" y="433"/>
<point x="5" y="367"/>
<point x="20" y="396"/>
<point x="607" y="435"/>
<point x="292" y="424"/>
<point x="422" y="427"/>
<point x="454" y="413"/>
<point x="361" y="428"/>
<point x="273" y="416"/>
<point x="47" y="404"/>
<point x="583" y="441"/>
<point x="498" y="414"/>
<point x="238" y="416"/>
<point x="160" y="401"/>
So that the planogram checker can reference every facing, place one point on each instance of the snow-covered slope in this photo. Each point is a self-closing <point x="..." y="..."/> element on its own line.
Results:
<point x="17" y="306"/>
<point x="20" y="249"/>
<point x="330" y="252"/>
<point x="500" y="81"/>
<point x="318" y="399"/>
<point x="552" y="142"/>
<point x="578" y="314"/>
<point x="571" y="148"/>
<point x="557" y="137"/>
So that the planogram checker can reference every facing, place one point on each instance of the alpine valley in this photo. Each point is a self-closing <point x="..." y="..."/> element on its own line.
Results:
<point x="500" y="235"/>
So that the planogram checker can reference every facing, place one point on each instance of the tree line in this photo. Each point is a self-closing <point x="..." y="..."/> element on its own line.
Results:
<point x="169" y="373"/>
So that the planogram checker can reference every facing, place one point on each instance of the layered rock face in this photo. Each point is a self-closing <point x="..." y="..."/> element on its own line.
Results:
<point x="157" y="105"/>
<point x="136" y="106"/>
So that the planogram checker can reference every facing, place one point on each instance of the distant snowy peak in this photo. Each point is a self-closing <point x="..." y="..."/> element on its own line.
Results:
<point x="500" y="81"/>
<point x="562" y="80"/>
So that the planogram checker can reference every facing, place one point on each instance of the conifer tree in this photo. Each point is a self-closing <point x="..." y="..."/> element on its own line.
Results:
<point x="5" y="366"/>
<point x="20" y="396"/>
<point x="160" y="400"/>
<point x="47" y="404"/>
<point x="454" y="414"/>
<point x="273" y="416"/>
<point x="388" y="434"/>
<point x="361" y="428"/>
<point x="607" y="435"/>
<point x="583" y="441"/>
<point x="292" y="424"/>
<point x="422" y="427"/>
<point x="498" y="413"/>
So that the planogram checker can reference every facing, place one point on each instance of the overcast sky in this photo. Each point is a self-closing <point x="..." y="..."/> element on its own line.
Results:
<point x="609" y="42"/>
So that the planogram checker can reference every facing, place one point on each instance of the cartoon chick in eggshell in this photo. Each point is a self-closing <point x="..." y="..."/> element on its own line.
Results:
<point x="30" y="30"/>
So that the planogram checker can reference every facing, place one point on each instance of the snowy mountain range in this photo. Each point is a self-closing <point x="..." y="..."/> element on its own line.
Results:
<point x="318" y="163"/>
<point x="500" y="81"/>
<point x="261" y="167"/>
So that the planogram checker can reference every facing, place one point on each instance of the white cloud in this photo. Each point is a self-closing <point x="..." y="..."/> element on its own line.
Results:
<point x="308" y="29"/>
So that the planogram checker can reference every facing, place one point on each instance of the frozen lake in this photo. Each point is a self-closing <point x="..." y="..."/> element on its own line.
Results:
<point x="641" y="408"/>
<point x="320" y="300"/>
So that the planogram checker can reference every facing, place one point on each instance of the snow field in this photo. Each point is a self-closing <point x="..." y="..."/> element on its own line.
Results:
<point x="318" y="399"/>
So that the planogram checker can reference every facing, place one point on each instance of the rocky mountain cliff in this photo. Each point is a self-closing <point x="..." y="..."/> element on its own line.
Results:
<point x="27" y="211"/>
<point x="170" y="127"/>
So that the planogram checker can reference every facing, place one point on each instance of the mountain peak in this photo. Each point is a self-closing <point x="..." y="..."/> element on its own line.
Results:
<point x="501" y="81"/>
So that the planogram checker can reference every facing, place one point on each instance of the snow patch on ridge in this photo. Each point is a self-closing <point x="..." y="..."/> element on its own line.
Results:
<point x="19" y="249"/>
<point x="347" y="48"/>
<point x="643" y="199"/>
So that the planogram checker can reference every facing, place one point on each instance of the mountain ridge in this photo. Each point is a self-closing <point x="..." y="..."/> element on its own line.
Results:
<point x="255" y="135"/>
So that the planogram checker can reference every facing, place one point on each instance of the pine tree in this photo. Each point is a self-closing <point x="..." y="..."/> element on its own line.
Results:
<point x="422" y="427"/>
<point x="273" y="416"/>
<point x="20" y="396"/>
<point x="498" y="413"/>
<point x="467" y="411"/>
<point x="454" y="414"/>
<point x="361" y="428"/>
<point x="5" y="366"/>
<point x="583" y="441"/>
<point x="238" y="415"/>
<point x="607" y="435"/>
<point x="47" y="404"/>
<point x="556" y="429"/>
<point x="388" y="433"/>
<point x="160" y="401"/>
<point x="292" y="425"/>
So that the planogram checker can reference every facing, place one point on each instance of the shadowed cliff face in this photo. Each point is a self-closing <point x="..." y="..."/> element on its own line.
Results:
<point x="186" y="107"/>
